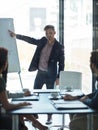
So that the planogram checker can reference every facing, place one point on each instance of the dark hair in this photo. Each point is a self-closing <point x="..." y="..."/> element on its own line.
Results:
<point x="94" y="58"/>
<point x="4" y="74"/>
<point x="3" y="57"/>
<point x="49" y="27"/>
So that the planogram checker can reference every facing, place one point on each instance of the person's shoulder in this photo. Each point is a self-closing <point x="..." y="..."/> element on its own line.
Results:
<point x="43" y="39"/>
<point x="2" y="80"/>
<point x="2" y="84"/>
<point x="59" y="44"/>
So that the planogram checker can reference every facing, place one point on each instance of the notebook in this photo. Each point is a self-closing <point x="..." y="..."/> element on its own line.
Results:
<point x="63" y="105"/>
<point x="27" y="98"/>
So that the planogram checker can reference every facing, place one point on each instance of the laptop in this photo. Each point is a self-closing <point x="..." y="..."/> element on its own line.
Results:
<point x="64" y="105"/>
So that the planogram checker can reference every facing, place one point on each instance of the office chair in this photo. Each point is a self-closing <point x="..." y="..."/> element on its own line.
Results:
<point x="72" y="79"/>
<point x="68" y="79"/>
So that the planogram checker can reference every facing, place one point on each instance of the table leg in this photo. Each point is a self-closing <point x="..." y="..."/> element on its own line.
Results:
<point x="15" y="122"/>
<point x="63" y="122"/>
<point x="89" y="121"/>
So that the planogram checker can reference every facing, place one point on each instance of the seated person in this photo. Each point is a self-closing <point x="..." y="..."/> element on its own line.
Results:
<point x="79" y="121"/>
<point x="5" y="119"/>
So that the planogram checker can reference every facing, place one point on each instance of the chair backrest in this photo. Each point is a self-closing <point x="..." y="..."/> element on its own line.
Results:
<point x="70" y="79"/>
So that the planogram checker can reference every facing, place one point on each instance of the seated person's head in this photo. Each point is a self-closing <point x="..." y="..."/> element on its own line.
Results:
<point x="94" y="62"/>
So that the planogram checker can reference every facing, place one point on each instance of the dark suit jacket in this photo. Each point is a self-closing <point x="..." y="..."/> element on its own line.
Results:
<point x="56" y="56"/>
<point x="92" y="101"/>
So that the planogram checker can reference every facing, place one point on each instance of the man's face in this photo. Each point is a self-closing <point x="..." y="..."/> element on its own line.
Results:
<point x="5" y="65"/>
<point x="93" y="68"/>
<point x="50" y="34"/>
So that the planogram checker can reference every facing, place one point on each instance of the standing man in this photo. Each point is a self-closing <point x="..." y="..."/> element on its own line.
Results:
<point x="48" y="59"/>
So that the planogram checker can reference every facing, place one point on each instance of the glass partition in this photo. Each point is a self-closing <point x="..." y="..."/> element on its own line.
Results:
<point x="78" y="38"/>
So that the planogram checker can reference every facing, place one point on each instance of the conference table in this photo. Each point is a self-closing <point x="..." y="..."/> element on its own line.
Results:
<point x="44" y="106"/>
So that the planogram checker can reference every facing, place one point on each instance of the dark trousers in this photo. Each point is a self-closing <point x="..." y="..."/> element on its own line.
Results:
<point x="5" y="122"/>
<point x="43" y="78"/>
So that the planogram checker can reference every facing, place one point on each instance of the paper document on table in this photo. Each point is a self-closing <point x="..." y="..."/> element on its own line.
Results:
<point x="61" y="101"/>
<point x="27" y="98"/>
<point x="61" y="105"/>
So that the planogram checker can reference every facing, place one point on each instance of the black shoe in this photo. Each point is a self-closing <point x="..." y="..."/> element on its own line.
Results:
<point x="49" y="122"/>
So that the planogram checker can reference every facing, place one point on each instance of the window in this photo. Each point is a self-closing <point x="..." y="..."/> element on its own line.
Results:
<point x="78" y="38"/>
